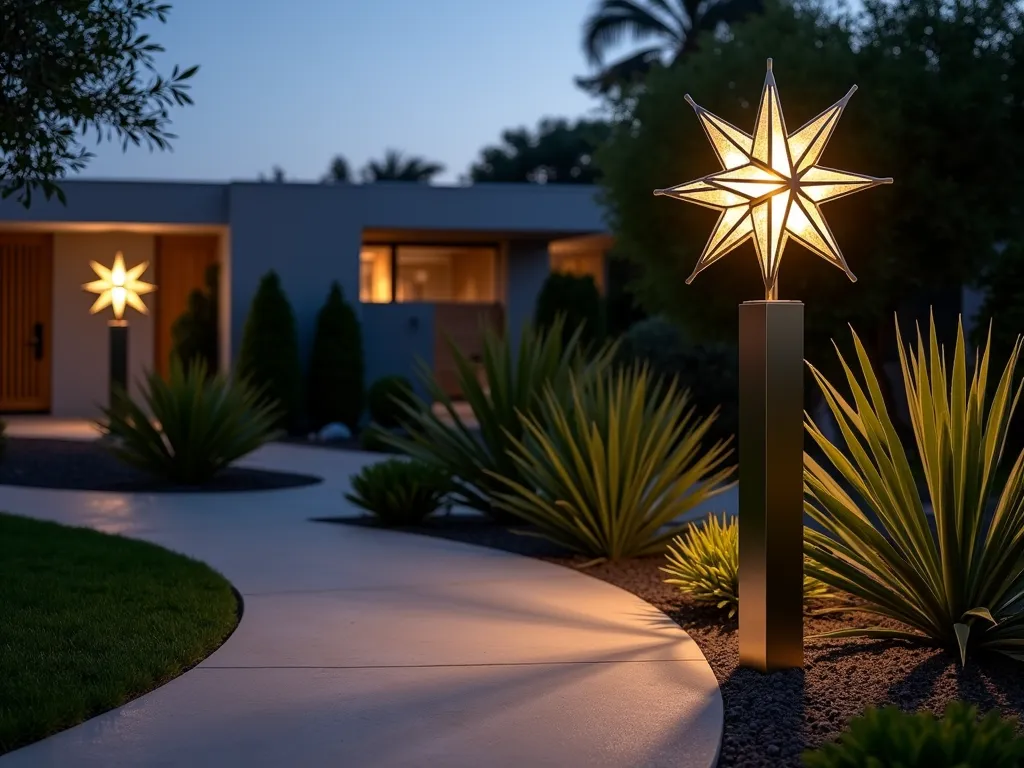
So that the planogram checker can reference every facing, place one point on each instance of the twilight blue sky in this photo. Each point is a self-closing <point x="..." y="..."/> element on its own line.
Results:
<point x="292" y="83"/>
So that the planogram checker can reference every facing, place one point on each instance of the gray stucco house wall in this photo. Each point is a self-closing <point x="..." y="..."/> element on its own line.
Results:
<point x="311" y="234"/>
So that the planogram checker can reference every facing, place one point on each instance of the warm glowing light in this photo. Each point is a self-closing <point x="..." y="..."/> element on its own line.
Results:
<point x="118" y="287"/>
<point x="771" y="186"/>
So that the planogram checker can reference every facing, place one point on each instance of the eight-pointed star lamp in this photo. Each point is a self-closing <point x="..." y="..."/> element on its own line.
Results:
<point x="118" y="288"/>
<point x="770" y="190"/>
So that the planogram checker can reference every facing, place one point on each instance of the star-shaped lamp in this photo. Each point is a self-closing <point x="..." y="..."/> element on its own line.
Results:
<point x="118" y="287"/>
<point x="771" y="186"/>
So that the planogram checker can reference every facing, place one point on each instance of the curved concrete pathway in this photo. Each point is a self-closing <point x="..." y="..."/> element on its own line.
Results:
<point x="374" y="648"/>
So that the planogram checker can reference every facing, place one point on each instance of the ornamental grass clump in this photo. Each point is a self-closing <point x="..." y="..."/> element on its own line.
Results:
<point x="608" y="471"/>
<point x="704" y="563"/>
<point x="954" y="579"/>
<point x="399" y="492"/>
<point x="508" y="383"/>
<point x="191" y="425"/>
<point x="890" y="738"/>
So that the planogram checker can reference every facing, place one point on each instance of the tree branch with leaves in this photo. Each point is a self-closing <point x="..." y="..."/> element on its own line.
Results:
<point x="75" y="67"/>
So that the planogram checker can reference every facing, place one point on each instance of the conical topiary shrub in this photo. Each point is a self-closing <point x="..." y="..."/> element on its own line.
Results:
<point x="336" y="364"/>
<point x="194" y="334"/>
<point x="577" y="299"/>
<point x="269" y="354"/>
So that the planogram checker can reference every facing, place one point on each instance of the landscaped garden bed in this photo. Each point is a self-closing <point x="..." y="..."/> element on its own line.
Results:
<point x="91" y="621"/>
<point x="913" y="559"/>
<point x="771" y="719"/>
<point x="88" y="466"/>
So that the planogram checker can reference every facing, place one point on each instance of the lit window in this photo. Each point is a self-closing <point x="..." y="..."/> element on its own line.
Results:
<point x="375" y="274"/>
<point x="580" y="263"/>
<point x="466" y="274"/>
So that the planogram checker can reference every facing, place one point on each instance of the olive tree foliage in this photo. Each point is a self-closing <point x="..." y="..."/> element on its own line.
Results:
<point x="73" y="68"/>
<point x="938" y="109"/>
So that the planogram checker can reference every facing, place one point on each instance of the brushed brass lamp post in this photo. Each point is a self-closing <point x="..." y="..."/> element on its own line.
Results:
<point x="770" y="190"/>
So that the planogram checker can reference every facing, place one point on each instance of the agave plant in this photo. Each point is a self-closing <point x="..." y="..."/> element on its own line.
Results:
<point x="960" y="582"/>
<point x="608" y="471"/>
<point x="400" y="492"/>
<point x="704" y="562"/>
<point x="475" y="458"/>
<point x="202" y="424"/>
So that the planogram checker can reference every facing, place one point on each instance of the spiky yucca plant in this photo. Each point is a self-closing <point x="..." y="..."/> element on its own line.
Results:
<point x="203" y="424"/>
<point x="474" y="458"/>
<point x="704" y="563"/>
<point x="609" y="470"/>
<point x="960" y="582"/>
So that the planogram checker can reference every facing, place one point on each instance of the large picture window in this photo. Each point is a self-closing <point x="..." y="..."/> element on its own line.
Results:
<point x="431" y="273"/>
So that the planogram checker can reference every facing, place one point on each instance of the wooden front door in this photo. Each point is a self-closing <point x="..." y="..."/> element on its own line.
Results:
<point x="26" y="287"/>
<point x="464" y="326"/>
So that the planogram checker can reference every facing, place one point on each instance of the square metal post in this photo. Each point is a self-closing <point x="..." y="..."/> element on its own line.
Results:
<point x="118" y="357"/>
<point x="771" y="484"/>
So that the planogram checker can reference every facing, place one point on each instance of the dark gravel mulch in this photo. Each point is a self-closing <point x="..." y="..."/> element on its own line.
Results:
<point x="81" y="465"/>
<point x="771" y="719"/>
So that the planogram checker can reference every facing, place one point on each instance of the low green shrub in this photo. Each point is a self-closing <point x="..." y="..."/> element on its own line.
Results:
<point x="606" y="471"/>
<point x="890" y="738"/>
<point x="387" y="399"/>
<point x="476" y="456"/>
<point x="269" y="353"/>
<point x="335" y="378"/>
<point x="202" y="424"/>
<point x="399" y="492"/>
<point x="709" y="372"/>
<point x="576" y="300"/>
<point x="955" y="577"/>
<point x="704" y="563"/>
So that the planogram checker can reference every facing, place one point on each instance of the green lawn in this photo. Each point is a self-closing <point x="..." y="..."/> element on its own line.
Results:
<point x="89" y="621"/>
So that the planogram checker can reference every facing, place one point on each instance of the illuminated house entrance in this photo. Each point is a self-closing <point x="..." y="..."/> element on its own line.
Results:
<point x="460" y="280"/>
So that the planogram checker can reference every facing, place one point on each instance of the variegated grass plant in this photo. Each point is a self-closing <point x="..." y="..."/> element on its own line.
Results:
<point x="608" y="471"/>
<point x="508" y="383"/>
<point x="704" y="563"/>
<point x="955" y="579"/>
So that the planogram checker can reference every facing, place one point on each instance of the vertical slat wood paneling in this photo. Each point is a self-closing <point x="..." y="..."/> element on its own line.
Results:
<point x="464" y="324"/>
<point x="26" y="285"/>
<point x="181" y="263"/>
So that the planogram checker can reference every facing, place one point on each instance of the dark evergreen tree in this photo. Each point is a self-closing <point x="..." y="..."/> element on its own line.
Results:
<point x="269" y="354"/>
<point x="336" y="364"/>
<point x="577" y="299"/>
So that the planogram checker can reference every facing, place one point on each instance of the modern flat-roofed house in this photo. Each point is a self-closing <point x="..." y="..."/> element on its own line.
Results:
<point x="418" y="262"/>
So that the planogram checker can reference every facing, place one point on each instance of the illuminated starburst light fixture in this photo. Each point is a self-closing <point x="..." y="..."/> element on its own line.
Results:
<point x="118" y="287"/>
<point x="771" y="186"/>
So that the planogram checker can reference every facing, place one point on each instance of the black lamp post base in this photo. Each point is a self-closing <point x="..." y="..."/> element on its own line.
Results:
<point x="118" y="358"/>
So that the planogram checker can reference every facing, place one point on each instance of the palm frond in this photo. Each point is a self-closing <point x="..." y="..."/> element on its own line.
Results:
<point x="612" y="20"/>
